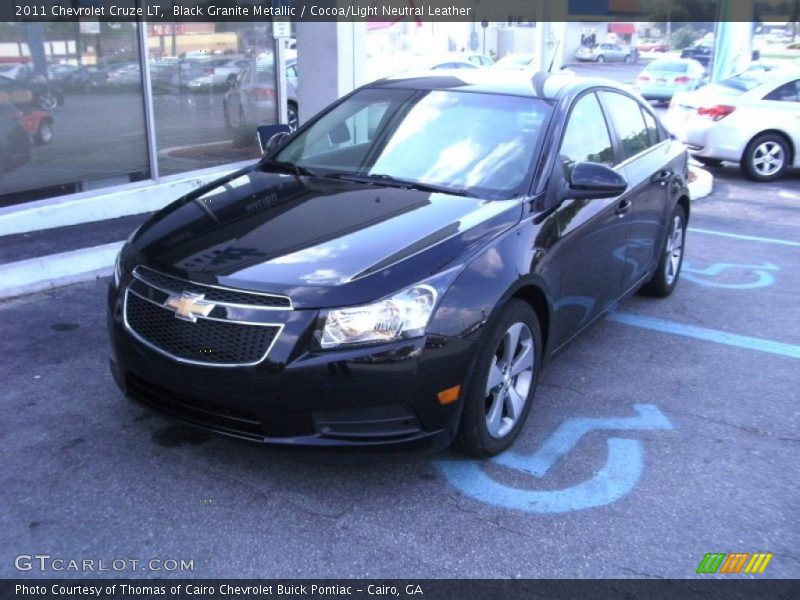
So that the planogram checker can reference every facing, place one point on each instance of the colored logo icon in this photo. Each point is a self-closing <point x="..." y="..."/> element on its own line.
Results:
<point x="732" y="563"/>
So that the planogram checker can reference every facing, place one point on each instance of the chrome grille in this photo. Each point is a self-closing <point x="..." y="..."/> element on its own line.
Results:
<point x="212" y="293"/>
<point x="206" y="341"/>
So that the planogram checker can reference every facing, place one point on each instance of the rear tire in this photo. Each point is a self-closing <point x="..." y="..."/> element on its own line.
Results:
<point x="766" y="157"/>
<point x="500" y="390"/>
<point x="600" y="59"/>
<point x="668" y="270"/>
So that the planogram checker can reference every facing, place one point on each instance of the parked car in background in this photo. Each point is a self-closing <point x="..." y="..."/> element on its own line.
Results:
<point x="398" y="271"/>
<point x="251" y="100"/>
<point x="37" y="123"/>
<point x="663" y="77"/>
<point x="653" y="46"/>
<point x="34" y="93"/>
<point x="15" y="142"/>
<point x="516" y="62"/>
<point x="605" y="52"/>
<point x="46" y="94"/>
<point x="124" y="77"/>
<point x="217" y="74"/>
<point x="752" y="119"/>
<point x="703" y="52"/>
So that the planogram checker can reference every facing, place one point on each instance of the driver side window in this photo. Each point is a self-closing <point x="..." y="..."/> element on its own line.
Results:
<point x="586" y="137"/>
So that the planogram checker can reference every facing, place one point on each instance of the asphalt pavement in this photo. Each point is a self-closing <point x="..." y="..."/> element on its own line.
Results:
<point x="668" y="431"/>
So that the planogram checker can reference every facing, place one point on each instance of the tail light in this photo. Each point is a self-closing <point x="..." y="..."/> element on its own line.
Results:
<point x="716" y="112"/>
<point x="682" y="79"/>
<point x="643" y="78"/>
<point x="262" y="93"/>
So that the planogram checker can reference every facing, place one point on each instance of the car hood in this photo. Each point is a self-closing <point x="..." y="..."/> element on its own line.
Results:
<point x="321" y="242"/>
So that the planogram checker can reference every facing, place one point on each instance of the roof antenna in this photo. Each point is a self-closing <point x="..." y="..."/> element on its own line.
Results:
<point x="553" y="60"/>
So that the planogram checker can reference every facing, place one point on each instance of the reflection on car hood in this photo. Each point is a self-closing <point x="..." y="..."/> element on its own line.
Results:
<point x="322" y="242"/>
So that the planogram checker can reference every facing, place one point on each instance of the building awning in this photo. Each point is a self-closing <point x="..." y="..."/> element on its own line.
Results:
<point x="622" y="28"/>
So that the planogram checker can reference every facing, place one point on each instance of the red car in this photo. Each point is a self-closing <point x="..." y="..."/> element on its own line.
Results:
<point x="653" y="46"/>
<point x="37" y="123"/>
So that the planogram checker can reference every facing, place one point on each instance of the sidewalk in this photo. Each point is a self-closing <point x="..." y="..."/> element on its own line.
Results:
<point x="49" y="258"/>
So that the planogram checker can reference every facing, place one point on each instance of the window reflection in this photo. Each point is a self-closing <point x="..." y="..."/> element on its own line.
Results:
<point x="71" y="110"/>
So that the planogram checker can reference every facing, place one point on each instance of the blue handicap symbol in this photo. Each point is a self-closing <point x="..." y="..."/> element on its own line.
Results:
<point x="623" y="468"/>
<point x="764" y="277"/>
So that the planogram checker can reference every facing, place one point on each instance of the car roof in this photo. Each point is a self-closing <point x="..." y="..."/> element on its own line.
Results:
<point x="544" y="85"/>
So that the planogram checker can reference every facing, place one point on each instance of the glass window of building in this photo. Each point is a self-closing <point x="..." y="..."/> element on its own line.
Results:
<point x="71" y="109"/>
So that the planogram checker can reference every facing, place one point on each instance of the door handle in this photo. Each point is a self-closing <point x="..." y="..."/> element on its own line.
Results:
<point x="623" y="208"/>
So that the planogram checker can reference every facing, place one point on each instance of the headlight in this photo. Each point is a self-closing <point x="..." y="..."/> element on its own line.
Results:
<point x="400" y="316"/>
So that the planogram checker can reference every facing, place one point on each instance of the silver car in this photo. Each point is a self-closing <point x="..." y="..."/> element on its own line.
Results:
<point x="605" y="52"/>
<point x="752" y="119"/>
<point x="251" y="100"/>
<point x="662" y="78"/>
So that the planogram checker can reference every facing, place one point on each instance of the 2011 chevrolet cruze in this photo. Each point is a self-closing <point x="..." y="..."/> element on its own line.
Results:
<point x="398" y="270"/>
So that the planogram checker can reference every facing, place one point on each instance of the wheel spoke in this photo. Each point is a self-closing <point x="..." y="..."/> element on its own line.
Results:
<point x="495" y="377"/>
<point x="524" y="360"/>
<point x="514" y="403"/>
<point x="494" y="418"/>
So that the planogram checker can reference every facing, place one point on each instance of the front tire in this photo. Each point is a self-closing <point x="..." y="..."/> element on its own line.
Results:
<point x="766" y="157"/>
<point x="601" y="59"/>
<point x="668" y="270"/>
<point x="500" y="391"/>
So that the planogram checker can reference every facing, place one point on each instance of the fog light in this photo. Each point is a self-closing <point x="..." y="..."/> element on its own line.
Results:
<point x="449" y="395"/>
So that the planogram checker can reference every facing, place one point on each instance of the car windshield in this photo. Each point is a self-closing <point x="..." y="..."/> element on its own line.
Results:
<point x="462" y="142"/>
<point x="669" y="66"/>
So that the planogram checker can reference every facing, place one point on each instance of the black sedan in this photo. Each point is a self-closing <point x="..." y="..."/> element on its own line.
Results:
<point x="398" y="271"/>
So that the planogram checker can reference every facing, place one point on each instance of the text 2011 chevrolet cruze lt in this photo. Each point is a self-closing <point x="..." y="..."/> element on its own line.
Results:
<point x="398" y="270"/>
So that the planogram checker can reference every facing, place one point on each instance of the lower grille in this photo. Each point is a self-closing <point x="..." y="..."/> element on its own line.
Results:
<point x="201" y="412"/>
<point x="216" y="416"/>
<point x="206" y="341"/>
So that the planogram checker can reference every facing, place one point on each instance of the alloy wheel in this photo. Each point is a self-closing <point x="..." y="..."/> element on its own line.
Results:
<point x="674" y="250"/>
<point x="510" y="379"/>
<point x="768" y="158"/>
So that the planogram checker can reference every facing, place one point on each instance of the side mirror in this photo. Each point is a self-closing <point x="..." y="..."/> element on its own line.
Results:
<point x="590" y="181"/>
<point x="272" y="136"/>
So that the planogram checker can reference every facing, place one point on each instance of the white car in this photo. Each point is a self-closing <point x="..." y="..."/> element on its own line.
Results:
<point x="752" y="119"/>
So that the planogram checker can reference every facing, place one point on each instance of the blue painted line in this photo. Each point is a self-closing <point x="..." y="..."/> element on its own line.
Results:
<point x="750" y="238"/>
<point x="707" y="334"/>
<point x="570" y="432"/>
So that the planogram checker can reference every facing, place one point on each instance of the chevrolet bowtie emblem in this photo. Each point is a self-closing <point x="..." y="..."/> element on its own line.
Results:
<point x="188" y="306"/>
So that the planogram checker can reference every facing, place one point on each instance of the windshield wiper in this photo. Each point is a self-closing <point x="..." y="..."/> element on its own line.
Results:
<point x="298" y="170"/>
<point x="389" y="181"/>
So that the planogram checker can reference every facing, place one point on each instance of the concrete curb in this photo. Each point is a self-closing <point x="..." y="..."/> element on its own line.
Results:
<point x="47" y="272"/>
<point x="703" y="183"/>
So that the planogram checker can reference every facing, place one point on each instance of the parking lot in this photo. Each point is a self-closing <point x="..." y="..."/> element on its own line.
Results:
<point x="669" y="431"/>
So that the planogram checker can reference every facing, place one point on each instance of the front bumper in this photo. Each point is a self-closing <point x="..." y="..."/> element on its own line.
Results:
<point x="378" y="396"/>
